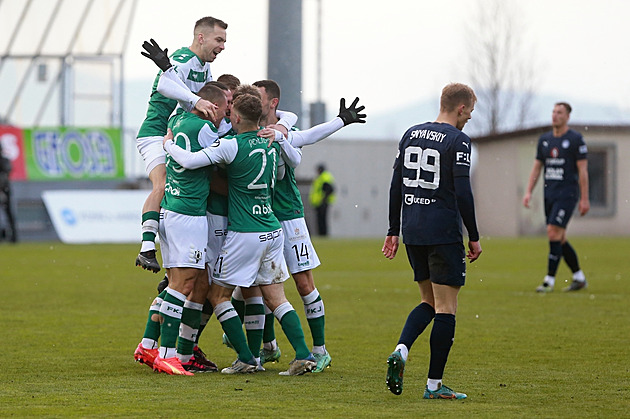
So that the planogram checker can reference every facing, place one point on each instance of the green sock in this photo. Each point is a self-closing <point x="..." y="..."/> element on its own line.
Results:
<point x="315" y="315"/>
<point x="152" y="329"/>
<point x="269" y="334"/>
<point x="254" y="323"/>
<point x="171" y="309"/>
<point x="233" y="328"/>
<point x="292" y="328"/>
<point x="206" y="314"/>
<point x="150" y="222"/>
<point x="188" y="329"/>
<point x="239" y="306"/>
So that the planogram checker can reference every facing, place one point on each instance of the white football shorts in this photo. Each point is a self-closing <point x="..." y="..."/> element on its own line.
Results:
<point x="217" y="230"/>
<point x="152" y="152"/>
<point x="298" y="248"/>
<point x="183" y="240"/>
<point x="249" y="259"/>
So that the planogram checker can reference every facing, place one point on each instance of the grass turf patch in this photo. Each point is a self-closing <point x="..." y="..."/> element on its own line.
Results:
<point x="74" y="314"/>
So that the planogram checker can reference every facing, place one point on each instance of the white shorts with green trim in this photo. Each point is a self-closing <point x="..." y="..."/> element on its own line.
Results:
<point x="249" y="259"/>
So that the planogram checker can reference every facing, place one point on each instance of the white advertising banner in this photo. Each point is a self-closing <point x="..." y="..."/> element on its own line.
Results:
<point x="96" y="216"/>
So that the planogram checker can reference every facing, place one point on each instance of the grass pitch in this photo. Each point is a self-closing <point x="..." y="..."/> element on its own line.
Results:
<point x="73" y="315"/>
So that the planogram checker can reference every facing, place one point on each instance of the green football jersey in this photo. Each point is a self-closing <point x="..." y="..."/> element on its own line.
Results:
<point x="287" y="202"/>
<point x="217" y="203"/>
<point x="251" y="179"/>
<point x="186" y="191"/>
<point x="193" y="72"/>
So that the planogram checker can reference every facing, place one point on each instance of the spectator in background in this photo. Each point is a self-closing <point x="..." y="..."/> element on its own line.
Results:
<point x="7" y="231"/>
<point x="321" y="196"/>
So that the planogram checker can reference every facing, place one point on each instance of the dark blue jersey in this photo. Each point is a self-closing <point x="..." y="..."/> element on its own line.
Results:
<point x="431" y="184"/>
<point x="559" y="156"/>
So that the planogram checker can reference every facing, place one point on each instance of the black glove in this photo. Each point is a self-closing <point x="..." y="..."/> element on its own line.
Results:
<point x="351" y="115"/>
<point x="155" y="53"/>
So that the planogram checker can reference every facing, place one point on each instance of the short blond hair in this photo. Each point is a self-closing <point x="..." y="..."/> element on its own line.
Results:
<point x="455" y="94"/>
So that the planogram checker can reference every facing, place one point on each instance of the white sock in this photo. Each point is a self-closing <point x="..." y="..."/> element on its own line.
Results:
<point x="579" y="276"/>
<point x="434" y="384"/>
<point x="271" y="346"/>
<point x="184" y="358"/>
<point x="550" y="280"/>
<point x="167" y="352"/>
<point x="149" y="343"/>
<point x="146" y="246"/>
<point x="319" y="349"/>
<point x="404" y="352"/>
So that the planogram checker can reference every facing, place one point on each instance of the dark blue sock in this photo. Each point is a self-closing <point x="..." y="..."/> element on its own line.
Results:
<point x="570" y="257"/>
<point x="417" y="321"/>
<point x="442" y="336"/>
<point x="555" y="254"/>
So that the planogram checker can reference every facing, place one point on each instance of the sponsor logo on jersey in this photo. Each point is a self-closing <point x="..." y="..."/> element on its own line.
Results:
<point x="554" y="173"/>
<point x="197" y="76"/>
<point x="272" y="235"/>
<point x="168" y="188"/>
<point x="583" y="149"/>
<point x="262" y="209"/>
<point x="410" y="199"/>
<point x="555" y="152"/>
<point x="462" y="158"/>
<point x="554" y="162"/>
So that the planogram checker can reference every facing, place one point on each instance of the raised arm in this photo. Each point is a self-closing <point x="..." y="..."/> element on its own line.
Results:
<point x="169" y="83"/>
<point x="347" y="115"/>
<point x="221" y="151"/>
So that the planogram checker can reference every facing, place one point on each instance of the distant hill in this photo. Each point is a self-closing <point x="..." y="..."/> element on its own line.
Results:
<point x="392" y="124"/>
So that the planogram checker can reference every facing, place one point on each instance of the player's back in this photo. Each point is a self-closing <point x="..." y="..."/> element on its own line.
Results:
<point x="431" y="156"/>
<point x="186" y="190"/>
<point x="251" y="179"/>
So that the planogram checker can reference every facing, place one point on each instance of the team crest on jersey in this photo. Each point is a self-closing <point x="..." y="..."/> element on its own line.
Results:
<point x="555" y="152"/>
<point x="566" y="144"/>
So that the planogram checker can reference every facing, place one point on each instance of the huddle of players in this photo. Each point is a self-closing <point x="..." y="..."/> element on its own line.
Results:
<point x="243" y="240"/>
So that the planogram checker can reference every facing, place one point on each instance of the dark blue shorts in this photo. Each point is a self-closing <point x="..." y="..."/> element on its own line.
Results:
<point x="443" y="264"/>
<point x="559" y="211"/>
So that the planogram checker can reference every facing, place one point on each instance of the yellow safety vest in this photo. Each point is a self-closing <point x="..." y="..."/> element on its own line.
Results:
<point x="316" y="194"/>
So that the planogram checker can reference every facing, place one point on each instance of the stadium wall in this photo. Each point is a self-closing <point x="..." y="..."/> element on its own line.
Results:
<point x="502" y="172"/>
<point x="362" y="171"/>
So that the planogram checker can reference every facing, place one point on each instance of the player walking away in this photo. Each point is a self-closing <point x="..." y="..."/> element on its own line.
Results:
<point x="562" y="152"/>
<point x="192" y="65"/>
<point x="431" y="183"/>
<point x="183" y="230"/>
<point x="252" y="251"/>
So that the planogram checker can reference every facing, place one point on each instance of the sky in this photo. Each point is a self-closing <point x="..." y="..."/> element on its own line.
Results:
<point x="393" y="55"/>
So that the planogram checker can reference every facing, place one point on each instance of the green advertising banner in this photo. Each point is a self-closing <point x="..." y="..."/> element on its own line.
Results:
<point x="73" y="153"/>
